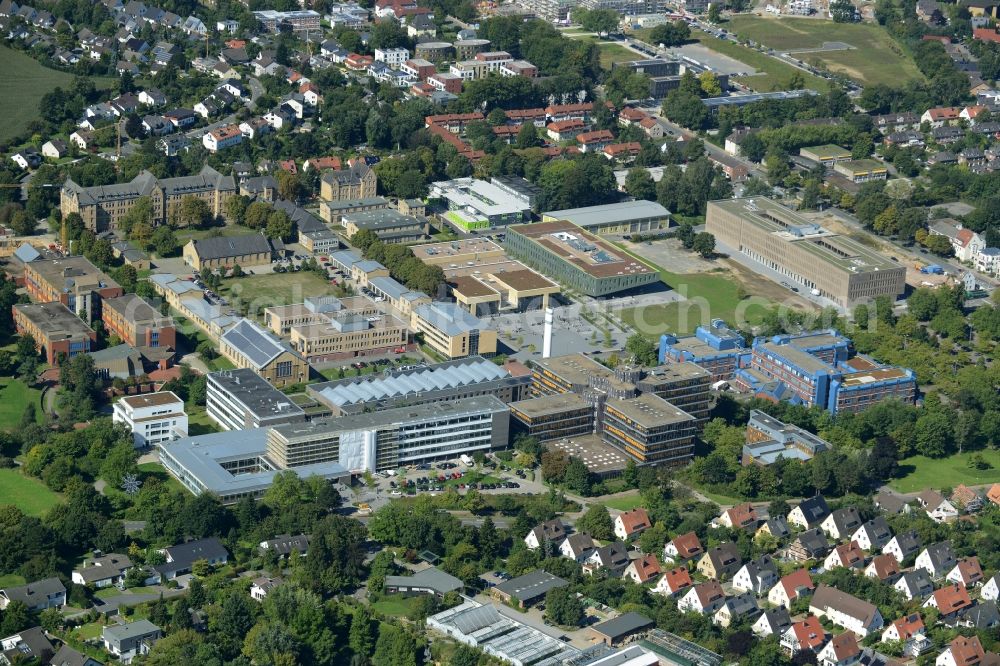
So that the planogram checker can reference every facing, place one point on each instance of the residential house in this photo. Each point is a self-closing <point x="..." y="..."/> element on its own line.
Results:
<point x="776" y="527"/>
<point x="683" y="547"/>
<point x="904" y="628"/>
<point x="790" y="587"/>
<point x="126" y="641"/>
<point x="809" y="513"/>
<point x="891" y="504"/>
<point x="845" y="610"/>
<point x="903" y="546"/>
<point x="809" y="545"/>
<point x="940" y="116"/>
<point x="937" y="560"/>
<point x="30" y="646"/>
<point x="27" y="158"/>
<point x="223" y="137"/>
<point x="263" y="585"/>
<point x="54" y="149"/>
<point x="915" y="584"/>
<point x="848" y="555"/>
<point x="883" y="567"/>
<point x="612" y="558"/>
<point x="551" y="530"/>
<point x="38" y="596"/>
<point x="577" y="547"/>
<point x="842" y="650"/>
<point x="757" y="576"/>
<point x="964" y="497"/>
<point x="949" y="600"/>
<point x="179" y="558"/>
<point x="982" y="616"/>
<point x="962" y="651"/>
<point x="873" y="535"/>
<point x="174" y="145"/>
<point x="631" y="524"/>
<point x="841" y="523"/>
<point x="991" y="590"/>
<point x="103" y="571"/>
<point x="735" y="608"/>
<point x="804" y="635"/>
<point x="285" y="544"/>
<point x="966" y="244"/>
<point x="721" y="561"/>
<point x="673" y="582"/>
<point x="741" y="516"/>
<point x="152" y="97"/>
<point x="703" y="598"/>
<point x="643" y="570"/>
<point x="773" y="622"/>
<point x="966" y="573"/>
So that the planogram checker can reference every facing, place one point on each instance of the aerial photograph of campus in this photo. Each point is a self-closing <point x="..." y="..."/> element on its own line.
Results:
<point x="499" y="332"/>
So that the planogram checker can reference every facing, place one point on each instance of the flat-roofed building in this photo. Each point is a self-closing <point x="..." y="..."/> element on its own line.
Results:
<point x="838" y="267"/>
<point x="685" y="385"/>
<point x="553" y="417"/>
<point x="827" y="154"/>
<point x="479" y="204"/>
<point x="152" y="418"/>
<point x="715" y="348"/>
<point x="452" y="331"/>
<point x="451" y="380"/>
<point x="388" y="224"/>
<point x="57" y="332"/>
<point x="247" y="345"/>
<point x="137" y="322"/>
<point x="347" y="335"/>
<point x="768" y="439"/>
<point x="281" y="318"/>
<point x="334" y="211"/>
<point x="627" y="217"/>
<point x="862" y="171"/>
<point x="650" y="429"/>
<point x="243" y="400"/>
<point x="572" y="256"/>
<point x="72" y="281"/>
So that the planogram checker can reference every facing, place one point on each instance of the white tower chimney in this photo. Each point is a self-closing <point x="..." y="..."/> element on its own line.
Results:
<point x="547" y="334"/>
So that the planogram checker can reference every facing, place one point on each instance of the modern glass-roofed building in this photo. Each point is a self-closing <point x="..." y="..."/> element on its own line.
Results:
<point x="837" y="267"/>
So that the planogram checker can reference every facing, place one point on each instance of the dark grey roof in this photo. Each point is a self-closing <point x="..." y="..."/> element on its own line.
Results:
<point x="814" y="509"/>
<point x="984" y="615"/>
<point x="67" y="656"/>
<point x="30" y="643"/>
<point x="303" y="219"/>
<point x="847" y="520"/>
<point x="431" y="578"/>
<point x="725" y="556"/>
<point x="31" y="593"/>
<point x="284" y="544"/>
<point x="813" y="542"/>
<point x="137" y="629"/>
<point x="187" y="553"/>
<point x="878" y="530"/>
<point x="917" y="582"/>
<point x="531" y="585"/>
<point x="613" y="556"/>
<point x="762" y="566"/>
<point x="741" y="604"/>
<point x="623" y="625"/>
<point x="778" y="619"/>
<point x="941" y="555"/>
<point x="909" y="542"/>
<point x="777" y="526"/>
<point x="827" y="597"/>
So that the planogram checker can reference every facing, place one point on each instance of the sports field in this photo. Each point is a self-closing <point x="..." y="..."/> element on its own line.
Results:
<point x="29" y="495"/>
<point x="874" y="58"/>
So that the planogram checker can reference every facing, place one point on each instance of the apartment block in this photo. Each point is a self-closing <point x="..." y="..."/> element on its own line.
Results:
<point x="56" y="330"/>
<point x="241" y="400"/>
<point x="72" y="281"/>
<point x="153" y="418"/>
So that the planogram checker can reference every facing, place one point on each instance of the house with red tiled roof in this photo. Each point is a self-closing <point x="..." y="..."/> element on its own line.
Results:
<point x="673" y="582"/>
<point x="321" y="163"/>
<point x="884" y="567"/>
<point x="630" y="116"/>
<point x="703" y="598"/>
<point x="622" y="151"/>
<point x="652" y="127"/>
<point x="562" y="130"/>
<point x="631" y="524"/>
<point x="643" y="569"/>
<point x="741" y="516"/>
<point x="842" y="650"/>
<point x="962" y="651"/>
<point x="683" y="547"/>
<point x="970" y="112"/>
<point x="942" y="115"/>
<point x="964" y="497"/>
<point x="950" y="600"/>
<point x="593" y="142"/>
<point x="904" y="628"/>
<point x="289" y="166"/>
<point x="847" y="555"/>
<point x="993" y="494"/>
<point x="966" y="573"/>
<point x="807" y="634"/>
<point x="790" y="587"/>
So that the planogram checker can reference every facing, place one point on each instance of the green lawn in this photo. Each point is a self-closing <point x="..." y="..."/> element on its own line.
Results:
<point x="23" y="82"/>
<point x="198" y="421"/>
<point x="14" y="397"/>
<point x="88" y="631"/>
<point x="157" y="471"/>
<point x="876" y="58"/>
<point x="275" y="289"/>
<point x="921" y="472"/>
<point x="184" y="235"/>
<point x="30" y="495"/>
<point x="709" y="296"/>
<point x="626" y="503"/>
<point x="396" y="605"/>
<point x="11" y="580"/>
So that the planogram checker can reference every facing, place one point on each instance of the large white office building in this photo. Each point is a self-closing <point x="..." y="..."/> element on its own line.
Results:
<point x="242" y="399"/>
<point x="153" y="418"/>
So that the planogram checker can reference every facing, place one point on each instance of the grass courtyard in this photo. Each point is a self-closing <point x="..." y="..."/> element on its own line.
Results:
<point x="396" y="605"/>
<point x="920" y="472"/>
<point x="29" y="495"/>
<point x="14" y="397"/>
<point x="262" y="291"/>
<point x="875" y="58"/>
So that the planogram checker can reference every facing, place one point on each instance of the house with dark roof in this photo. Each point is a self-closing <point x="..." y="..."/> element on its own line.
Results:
<point x="757" y="576"/>
<point x="936" y="559"/>
<point x="37" y="596"/>
<point x="845" y="610"/>
<point x="914" y="584"/>
<point x="720" y="561"/>
<point x="841" y="523"/>
<point x="776" y="527"/>
<point x="528" y="589"/>
<point x="903" y="546"/>
<point x="28" y="646"/>
<point x="227" y="251"/>
<point x="890" y="503"/>
<point x="426" y="581"/>
<point x="551" y="530"/>
<point x="736" y="608"/>
<point x="615" y="632"/>
<point x="981" y="616"/>
<point x="809" y="545"/>
<point x="772" y="622"/>
<point x="577" y="546"/>
<point x="285" y="544"/>
<point x="873" y="535"/>
<point x="612" y="558"/>
<point x="809" y="513"/>
<point x="181" y="557"/>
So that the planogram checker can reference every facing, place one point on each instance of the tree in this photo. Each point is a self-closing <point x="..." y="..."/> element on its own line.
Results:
<point x="776" y="165"/>
<point x="710" y="85"/>
<point x="394" y="647"/>
<point x="933" y="431"/>
<point x="289" y="185"/>
<point x="165" y="241"/>
<point x="279" y="225"/>
<point x="704" y="244"/>
<point x="714" y="15"/>
<point x="192" y="212"/>
<point x="22" y="223"/>
<point x="597" y="523"/>
<point x="256" y="215"/>
<point x="670" y="34"/>
<point x="527" y="136"/>
<point x="236" y="208"/>
<point x="642" y="350"/>
<point x="685" y="109"/>
<point x="596" y="20"/>
<point x="563" y="608"/>
<point x="554" y="465"/>
<point x="640" y="185"/>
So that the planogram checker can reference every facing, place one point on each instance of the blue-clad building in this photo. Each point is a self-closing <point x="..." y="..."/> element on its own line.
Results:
<point x="716" y="348"/>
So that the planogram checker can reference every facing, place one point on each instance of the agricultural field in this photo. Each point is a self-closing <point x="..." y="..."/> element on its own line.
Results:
<point x="23" y="82"/>
<point x="29" y="495"/>
<point x="873" y="56"/>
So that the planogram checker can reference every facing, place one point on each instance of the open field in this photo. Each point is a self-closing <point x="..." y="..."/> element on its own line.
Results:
<point x="875" y="58"/>
<point x="29" y="495"/>
<point x="396" y="605"/>
<point x="184" y="235"/>
<point x="612" y="53"/>
<point x="14" y="397"/>
<point x="274" y="289"/>
<point x="11" y="580"/>
<point x="23" y="82"/>
<point x="624" y="503"/>
<point x="921" y="472"/>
